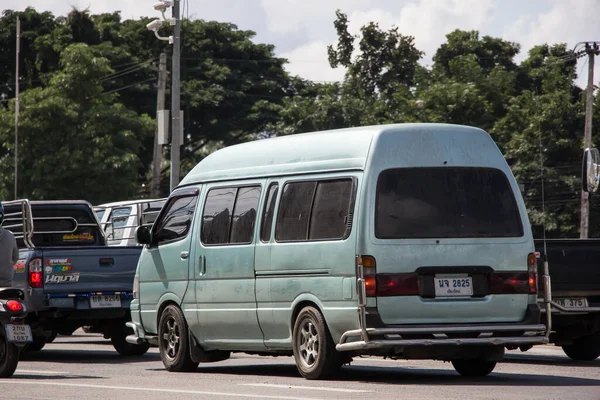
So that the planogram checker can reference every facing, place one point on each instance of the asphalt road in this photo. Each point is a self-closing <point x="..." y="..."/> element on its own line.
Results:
<point x="87" y="367"/>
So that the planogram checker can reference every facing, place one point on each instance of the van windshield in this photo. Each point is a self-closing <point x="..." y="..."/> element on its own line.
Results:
<point x="445" y="202"/>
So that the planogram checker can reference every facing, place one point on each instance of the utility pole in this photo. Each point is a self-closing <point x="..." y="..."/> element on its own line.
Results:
<point x="160" y="105"/>
<point x="17" y="106"/>
<point x="176" y="122"/>
<point x="591" y="48"/>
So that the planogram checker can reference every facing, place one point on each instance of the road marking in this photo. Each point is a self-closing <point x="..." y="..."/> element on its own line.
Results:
<point x="143" y="389"/>
<point x="28" y="371"/>
<point x="325" y="389"/>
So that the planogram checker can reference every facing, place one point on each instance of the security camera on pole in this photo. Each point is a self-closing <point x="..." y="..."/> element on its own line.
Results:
<point x="176" y="114"/>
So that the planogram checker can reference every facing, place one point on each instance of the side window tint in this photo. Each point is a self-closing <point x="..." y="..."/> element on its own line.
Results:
<point x="330" y="212"/>
<point x="177" y="219"/>
<point x="267" y="219"/>
<point x="244" y="214"/>
<point x="294" y="211"/>
<point x="216" y="218"/>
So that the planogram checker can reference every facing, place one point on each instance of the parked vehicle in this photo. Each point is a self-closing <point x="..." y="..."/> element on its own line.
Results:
<point x="70" y="277"/>
<point x="14" y="333"/>
<point x="402" y="241"/>
<point x="120" y="219"/>
<point x="573" y="267"/>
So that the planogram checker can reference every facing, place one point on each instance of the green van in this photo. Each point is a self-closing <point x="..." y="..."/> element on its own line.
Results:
<point x="403" y="241"/>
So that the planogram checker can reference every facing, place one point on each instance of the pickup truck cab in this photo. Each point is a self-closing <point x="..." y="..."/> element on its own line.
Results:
<point x="120" y="219"/>
<point x="71" y="278"/>
<point x="400" y="241"/>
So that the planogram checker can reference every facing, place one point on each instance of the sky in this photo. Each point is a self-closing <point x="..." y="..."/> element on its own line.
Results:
<point x="302" y="29"/>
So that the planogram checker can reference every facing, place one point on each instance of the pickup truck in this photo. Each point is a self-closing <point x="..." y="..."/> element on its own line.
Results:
<point x="120" y="219"/>
<point x="575" y="275"/>
<point x="70" y="276"/>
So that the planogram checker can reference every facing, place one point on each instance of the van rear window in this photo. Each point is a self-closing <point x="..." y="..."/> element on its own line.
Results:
<point x="445" y="202"/>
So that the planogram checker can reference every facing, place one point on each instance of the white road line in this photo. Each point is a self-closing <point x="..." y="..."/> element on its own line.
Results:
<point x="304" y="387"/>
<point x="28" y="371"/>
<point x="161" y="390"/>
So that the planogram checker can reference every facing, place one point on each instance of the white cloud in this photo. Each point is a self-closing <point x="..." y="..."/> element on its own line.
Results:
<point x="563" y="23"/>
<point x="310" y="62"/>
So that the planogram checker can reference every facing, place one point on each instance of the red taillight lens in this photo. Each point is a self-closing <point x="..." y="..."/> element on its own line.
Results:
<point x="508" y="283"/>
<point x="532" y="271"/>
<point x="36" y="278"/>
<point x="398" y="284"/>
<point x="14" y="305"/>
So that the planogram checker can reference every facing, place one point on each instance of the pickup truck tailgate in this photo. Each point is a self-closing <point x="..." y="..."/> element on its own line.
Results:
<point x="70" y="270"/>
<point x="574" y="265"/>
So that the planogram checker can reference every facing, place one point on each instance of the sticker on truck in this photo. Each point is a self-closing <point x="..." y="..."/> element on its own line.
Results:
<point x="63" y="278"/>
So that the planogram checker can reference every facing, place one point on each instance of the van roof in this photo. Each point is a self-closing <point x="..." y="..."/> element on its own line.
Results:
<point x="321" y="151"/>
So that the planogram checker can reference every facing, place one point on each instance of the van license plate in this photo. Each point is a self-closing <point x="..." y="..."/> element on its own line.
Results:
<point x="453" y="286"/>
<point x="105" y="301"/>
<point x="19" y="333"/>
<point x="572" y="302"/>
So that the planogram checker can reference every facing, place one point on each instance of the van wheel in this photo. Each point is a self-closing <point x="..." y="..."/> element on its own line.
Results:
<point x="126" y="349"/>
<point x="173" y="341"/>
<point x="584" y="349"/>
<point x="475" y="367"/>
<point x="314" y="350"/>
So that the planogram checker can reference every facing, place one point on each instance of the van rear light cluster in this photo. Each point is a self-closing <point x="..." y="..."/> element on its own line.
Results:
<point x="398" y="284"/>
<point x="532" y="270"/>
<point x="368" y="265"/>
<point x="36" y="278"/>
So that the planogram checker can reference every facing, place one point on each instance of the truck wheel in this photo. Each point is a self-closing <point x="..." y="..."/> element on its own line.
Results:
<point x="9" y="356"/>
<point x="477" y="367"/>
<point x="314" y="350"/>
<point x="126" y="349"/>
<point x="584" y="349"/>
<point x="39" y="341"/>
<point x="50" y="338"/>
<point x="173" y="341"/>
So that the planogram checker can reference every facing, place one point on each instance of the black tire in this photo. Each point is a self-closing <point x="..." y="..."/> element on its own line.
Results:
<point x="584" y="349"/>
<point x="50" y="338"/>
<point x="173" y="341"/>
<point x="9" y="356"/>
<point x="39" y="341"/>
<point x="314" y="350"/>
<point x="126" y="349"/>
<point x="475" y="367"/>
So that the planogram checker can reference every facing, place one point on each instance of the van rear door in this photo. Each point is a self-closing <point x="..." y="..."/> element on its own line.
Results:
<point x="449" y="246"/>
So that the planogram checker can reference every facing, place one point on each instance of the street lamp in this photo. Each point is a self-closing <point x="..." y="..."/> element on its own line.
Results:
<point x="176" y="119"/>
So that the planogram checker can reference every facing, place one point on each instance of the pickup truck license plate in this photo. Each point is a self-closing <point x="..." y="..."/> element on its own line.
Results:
<point x="105" y="301"/>
<point x="19" y="333"/>
<point x="453" y="286"/>
<point x="572" y="302"/>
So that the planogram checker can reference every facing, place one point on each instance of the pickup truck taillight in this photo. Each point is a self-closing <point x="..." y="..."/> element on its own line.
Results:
<point x="36" y="279"/>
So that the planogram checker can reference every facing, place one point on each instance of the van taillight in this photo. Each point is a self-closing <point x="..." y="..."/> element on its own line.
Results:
<point x="398" y="284"/>
<point x="36" y="279"/>
<point x="532" y="270"/>
<point x="136" y="286"/>
<point x="368" y="265"/>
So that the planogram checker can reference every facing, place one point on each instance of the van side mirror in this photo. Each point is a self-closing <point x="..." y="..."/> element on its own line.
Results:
<point x="590" y="174"/>
<point x="143" y="235"/>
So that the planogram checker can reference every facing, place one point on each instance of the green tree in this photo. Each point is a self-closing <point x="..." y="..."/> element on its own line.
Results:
<point x="76" y="140"/>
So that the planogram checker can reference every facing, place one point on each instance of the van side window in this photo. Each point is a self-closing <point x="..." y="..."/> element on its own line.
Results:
<point x="217" y="215"/>
<point x="267" y="220"/>
<point x="230" y="215"/>
<point x="244" y="215"/>
<point x="331" y="210"/>
<point x="294" y="211"/>
<point x="177" y="219"/>
<point x="315" y="210"/>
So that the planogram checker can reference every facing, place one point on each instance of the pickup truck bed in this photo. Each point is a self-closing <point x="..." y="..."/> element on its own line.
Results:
<point x="70" y="276"/>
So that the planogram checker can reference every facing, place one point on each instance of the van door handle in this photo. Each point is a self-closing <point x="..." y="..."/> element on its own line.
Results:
<point x="184" y="255"/>
<point x="202" y="265"/>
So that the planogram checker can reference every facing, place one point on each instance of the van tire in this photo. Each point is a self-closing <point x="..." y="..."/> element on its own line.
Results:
<point x="314" y="362"/>
<point x="126" y="349"/>
<point x="173" y="341"/>
<point x="472" y="368"/>
<point x="584" y="349"/>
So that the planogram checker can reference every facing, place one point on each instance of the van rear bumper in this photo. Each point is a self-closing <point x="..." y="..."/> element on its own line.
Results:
<point x="526" y="332"/>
